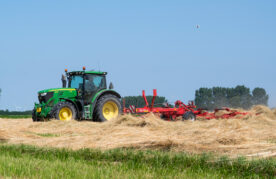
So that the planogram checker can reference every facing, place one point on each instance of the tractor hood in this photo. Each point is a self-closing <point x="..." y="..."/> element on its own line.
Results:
<point x="57" y="90"/>
<point x="53" y="94"/>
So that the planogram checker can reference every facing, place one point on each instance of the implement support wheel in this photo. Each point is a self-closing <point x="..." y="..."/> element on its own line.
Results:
<point x="189" y="116"/>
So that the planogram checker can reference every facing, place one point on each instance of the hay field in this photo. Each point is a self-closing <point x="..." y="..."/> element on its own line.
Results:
<point x="250" y="136"/>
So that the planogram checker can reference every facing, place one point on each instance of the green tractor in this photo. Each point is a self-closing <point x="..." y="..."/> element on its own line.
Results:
<point x="86" y="97"/>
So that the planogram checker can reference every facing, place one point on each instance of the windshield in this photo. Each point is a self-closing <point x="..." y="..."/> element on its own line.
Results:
<point x="76" y="82"/>
<point x="94" y="82"/>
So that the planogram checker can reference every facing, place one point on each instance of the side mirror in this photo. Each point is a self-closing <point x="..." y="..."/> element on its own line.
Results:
<point x="63" y="79"/>
<point x="111" y="86"/>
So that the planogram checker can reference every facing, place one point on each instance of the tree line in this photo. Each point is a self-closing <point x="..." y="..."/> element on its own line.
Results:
<point x="138" y="101"/>
<point x="7" y="112"/>
<point x="238" y="97"/>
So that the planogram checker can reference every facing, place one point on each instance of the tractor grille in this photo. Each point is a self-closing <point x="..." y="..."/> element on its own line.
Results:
<point x="44" y="99"/>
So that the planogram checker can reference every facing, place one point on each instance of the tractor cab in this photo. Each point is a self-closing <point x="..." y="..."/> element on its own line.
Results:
<point x="87" y="83"/>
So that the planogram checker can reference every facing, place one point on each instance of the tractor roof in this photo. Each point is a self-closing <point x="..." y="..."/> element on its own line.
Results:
<point x="96" y="72"/>
<point x="87" y="72"/>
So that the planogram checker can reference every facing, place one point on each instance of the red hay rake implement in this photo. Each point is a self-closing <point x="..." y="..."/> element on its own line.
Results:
<point x="181" y="110"/>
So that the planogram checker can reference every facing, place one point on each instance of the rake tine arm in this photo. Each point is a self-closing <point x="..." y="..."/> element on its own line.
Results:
<point x="145" y="99"/>
<point x="154" y="96"/>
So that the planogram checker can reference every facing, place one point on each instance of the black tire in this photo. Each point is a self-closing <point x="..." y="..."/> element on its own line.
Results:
<point x="64" y="104"/>
<point x="162" y="116"/>
<point x="34" y="117"/>
<point x="189" y="116"/>
<point x="98" y="112"/>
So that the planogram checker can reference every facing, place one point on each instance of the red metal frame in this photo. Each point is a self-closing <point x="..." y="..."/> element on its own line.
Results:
<point x="180" y="109"/>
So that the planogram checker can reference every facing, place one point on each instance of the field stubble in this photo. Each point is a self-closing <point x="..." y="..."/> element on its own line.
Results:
<point x="253" y="135"/>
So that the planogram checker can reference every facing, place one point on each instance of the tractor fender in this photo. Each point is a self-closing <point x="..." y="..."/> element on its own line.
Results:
<point x="75" y="105"/>
<point x="99" y="95"/>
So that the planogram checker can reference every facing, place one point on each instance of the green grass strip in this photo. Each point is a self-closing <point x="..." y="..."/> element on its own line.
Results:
<point x="36" y="162"/>
<point x="15" y="116"/>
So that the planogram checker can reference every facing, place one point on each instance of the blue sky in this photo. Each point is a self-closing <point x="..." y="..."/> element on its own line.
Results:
<point x="143" y="44"/>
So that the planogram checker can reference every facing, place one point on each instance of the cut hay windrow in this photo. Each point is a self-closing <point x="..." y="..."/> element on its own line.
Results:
<point x="251" y="135"/>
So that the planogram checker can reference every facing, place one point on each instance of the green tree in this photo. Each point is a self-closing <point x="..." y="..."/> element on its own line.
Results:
<point x="235" y="102"/>
<point x="204" y="98"/>
<point x="219" y="97"/>
<point x="245" y="98"/>
<point x="238" y="97"/>
<point x="138" y="101"/>
<point x="260" y="96"/>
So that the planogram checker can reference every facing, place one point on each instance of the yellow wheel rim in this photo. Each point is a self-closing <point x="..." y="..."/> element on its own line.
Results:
<point x="110" y="110"/>
<point x="65" y="114"/>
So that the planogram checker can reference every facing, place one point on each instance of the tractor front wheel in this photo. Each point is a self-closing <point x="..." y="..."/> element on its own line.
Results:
<point x="189" y="116"/>
<point x="34" y="117"/>
<point x="108" y="107"/>
<point x="64" y="111"/>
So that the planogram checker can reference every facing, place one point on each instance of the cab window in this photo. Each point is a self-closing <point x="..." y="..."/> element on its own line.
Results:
<point x="94" y="82"/>
<point x="76" y="82"/>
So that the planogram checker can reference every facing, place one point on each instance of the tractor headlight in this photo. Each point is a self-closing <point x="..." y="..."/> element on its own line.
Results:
<point x="43" y="94"/>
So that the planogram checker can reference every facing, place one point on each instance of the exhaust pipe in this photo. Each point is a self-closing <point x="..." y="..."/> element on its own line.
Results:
<point x="63" y="79"/>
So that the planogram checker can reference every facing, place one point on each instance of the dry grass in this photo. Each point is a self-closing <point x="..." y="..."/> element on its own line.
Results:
<point x="253" y="135"/>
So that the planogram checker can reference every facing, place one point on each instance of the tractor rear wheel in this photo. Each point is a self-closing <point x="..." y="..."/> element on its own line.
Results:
<point x="64" y="111"/>
<point x="189" y="116"/>
<point x="107" y="107"/>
